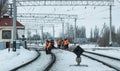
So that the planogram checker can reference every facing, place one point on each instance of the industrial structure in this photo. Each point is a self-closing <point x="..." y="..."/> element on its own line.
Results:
<point x="5" y="7"/>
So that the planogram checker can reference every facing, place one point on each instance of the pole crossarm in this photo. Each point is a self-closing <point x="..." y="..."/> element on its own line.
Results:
<point x="64" y="2"/>
<point x="45" y="25"/>
<point x="39" y="15"/>
<point x="39" y="21"/>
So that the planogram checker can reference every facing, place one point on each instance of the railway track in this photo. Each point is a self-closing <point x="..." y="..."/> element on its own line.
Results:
<point x="23" y="65"/>
<point x="38" y="59"/>
<point x="109" y="61"/>
<point x="53" y="59"/>
<point x="106" y="60"/>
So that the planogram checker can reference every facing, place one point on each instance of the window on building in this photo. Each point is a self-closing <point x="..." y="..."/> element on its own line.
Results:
<point x="6" y="34"/>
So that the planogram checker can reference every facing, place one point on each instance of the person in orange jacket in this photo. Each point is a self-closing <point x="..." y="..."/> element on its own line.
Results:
<point x="58" y="43"/>
<point x="66" y="43"/>
<point x="48" y="47"/>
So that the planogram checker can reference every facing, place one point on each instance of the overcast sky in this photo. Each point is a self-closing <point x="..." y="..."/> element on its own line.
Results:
<point x="91" y="15"/>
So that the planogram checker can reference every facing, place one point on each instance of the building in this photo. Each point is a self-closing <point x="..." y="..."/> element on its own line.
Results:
<point x="82" y="40"/>
<point x="6" y="29"/>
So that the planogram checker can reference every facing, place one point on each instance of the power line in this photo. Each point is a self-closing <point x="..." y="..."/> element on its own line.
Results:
<point x="118" y="1"/>
<point x="65" y="2"/>
<point x="102" y="11"/>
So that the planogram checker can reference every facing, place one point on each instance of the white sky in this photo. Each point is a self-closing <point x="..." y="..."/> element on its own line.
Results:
<point x="92" y="16"/>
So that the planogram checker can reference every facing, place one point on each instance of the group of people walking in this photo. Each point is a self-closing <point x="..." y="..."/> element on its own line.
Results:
<point x="60" y="44"/>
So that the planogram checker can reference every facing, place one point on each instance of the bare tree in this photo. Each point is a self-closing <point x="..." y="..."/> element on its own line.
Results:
<point x="96" y="34"/>
<point x="118" y="36"/>
<point x="91" y="35"/>
<point x="82" y="32"/>
<point x="104" y="40"/>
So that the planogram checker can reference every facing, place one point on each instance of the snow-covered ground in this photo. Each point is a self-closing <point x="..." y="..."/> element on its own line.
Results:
<point x="10" y="60"/>
<point x="39" y="64"/>
<point x="110" y="51"/>
<point x="65" y="60"/>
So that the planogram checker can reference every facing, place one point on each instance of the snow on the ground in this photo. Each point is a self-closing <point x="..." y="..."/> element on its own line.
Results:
<point x="10" y="60"/>
<point x="66" y="61"/>
<point x="39" y="64"/>
<point x="109" y="51"/>
<point x="112" y="53"/>
<point x="37" y="46"/>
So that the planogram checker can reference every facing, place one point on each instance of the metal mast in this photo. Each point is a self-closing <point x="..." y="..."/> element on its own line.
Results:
<point x="75" y="31"/>
<point x="110" y="35"/>
<point x="14" y="19"/>
<point x="53" y="32"/>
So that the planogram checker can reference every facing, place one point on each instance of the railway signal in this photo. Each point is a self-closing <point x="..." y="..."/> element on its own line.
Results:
<point x="78" y="51"/>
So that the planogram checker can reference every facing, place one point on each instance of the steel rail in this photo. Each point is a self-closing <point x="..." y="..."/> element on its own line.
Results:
<point x="101" y="61"/>
<point x="23" y="65"/>
<point x="105" y="63"/>
<point x="53" y="59"/>
<point x="103" y="55"/>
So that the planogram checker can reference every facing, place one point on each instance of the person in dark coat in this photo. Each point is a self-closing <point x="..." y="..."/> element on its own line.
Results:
<point x="52" y="44"/>
<point x="24" y="42"/>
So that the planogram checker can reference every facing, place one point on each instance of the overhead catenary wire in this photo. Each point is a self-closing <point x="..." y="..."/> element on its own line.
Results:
<point x="105" y="10"/>
<point x="118" y="1"/>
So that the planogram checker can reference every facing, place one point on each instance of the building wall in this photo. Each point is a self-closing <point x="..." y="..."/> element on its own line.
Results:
<point x="5" y="28"/>
<point x="7" y="41"/>
<point x="8" y="28"/>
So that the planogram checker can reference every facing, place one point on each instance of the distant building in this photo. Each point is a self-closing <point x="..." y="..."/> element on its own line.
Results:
<point x="6" y="29"/>
<point x="82" y="40"/>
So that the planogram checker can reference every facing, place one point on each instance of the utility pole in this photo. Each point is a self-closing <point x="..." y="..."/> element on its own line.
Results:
<point x="36" y="37"/>
<point x="42" y="33"/>
<point x="28" y="35"/>
<point x="14" y="19"/>
<point x="53" y="32"/>
<point x="68" y="30"/>
<point x="62" y="29"/>
<point x="75" y="32"/>
<point x="110" y="35"/>
<point x="14" y="25"/>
